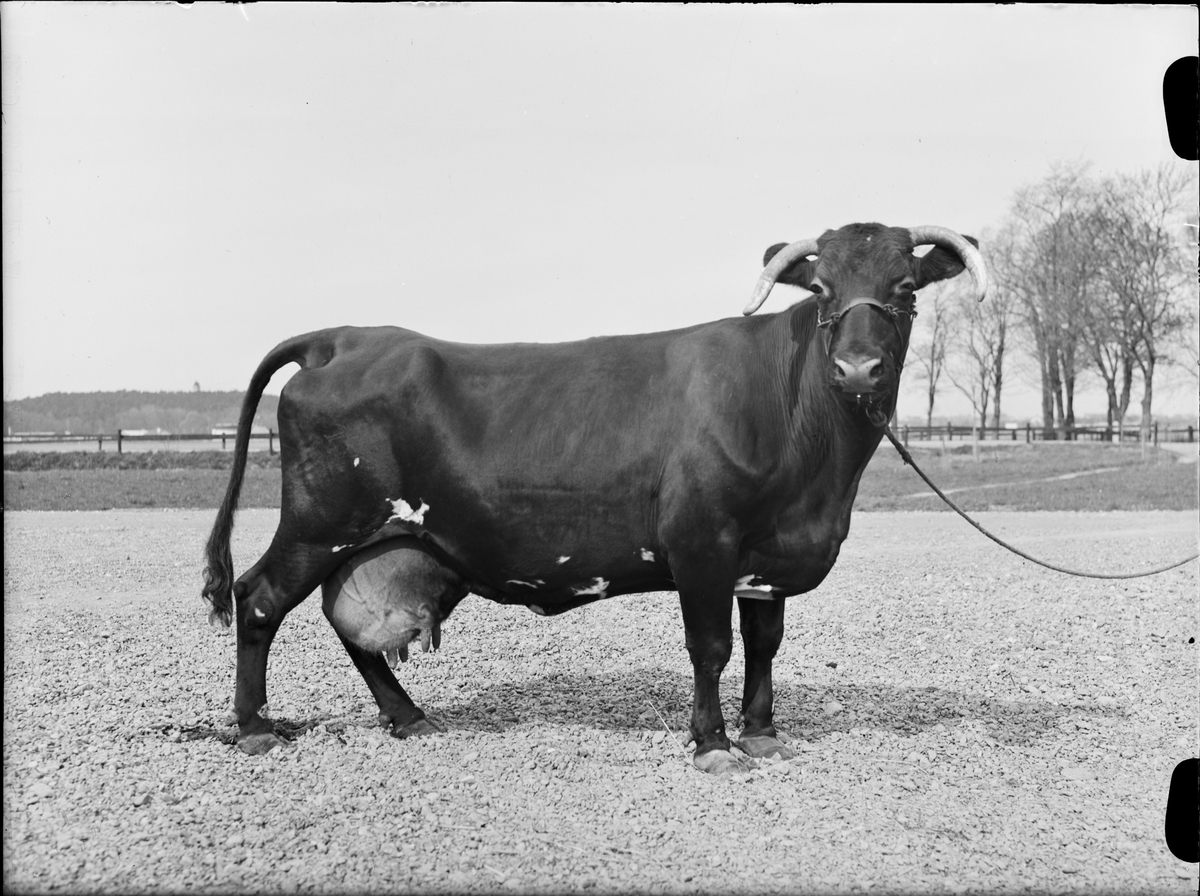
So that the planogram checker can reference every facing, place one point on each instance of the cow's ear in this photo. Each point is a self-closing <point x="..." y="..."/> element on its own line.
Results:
<point x="940" y="264"/>
<point x="798" y="273"/>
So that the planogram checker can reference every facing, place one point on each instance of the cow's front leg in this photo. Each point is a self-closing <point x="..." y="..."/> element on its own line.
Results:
<point x="762" y="633"/>
<point x="706" y="598"/>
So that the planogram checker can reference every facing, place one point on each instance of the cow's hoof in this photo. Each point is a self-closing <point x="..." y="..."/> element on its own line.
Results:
<point x="260" y="743"/>
<point x="419" y="728"/>
<point x="764" y="747"/>
<point x="719" y="762"/>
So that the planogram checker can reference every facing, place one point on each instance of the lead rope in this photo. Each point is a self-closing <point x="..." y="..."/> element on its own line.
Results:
<point x="1004" y="544"/>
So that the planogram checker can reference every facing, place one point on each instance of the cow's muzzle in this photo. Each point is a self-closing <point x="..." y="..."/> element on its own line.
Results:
<point x="856" y="375"/>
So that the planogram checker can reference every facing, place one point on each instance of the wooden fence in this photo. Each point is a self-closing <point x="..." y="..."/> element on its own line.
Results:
<point x="949" y="433"/>
<point x="1031" y="433"/>
<point x="122" y="437"/>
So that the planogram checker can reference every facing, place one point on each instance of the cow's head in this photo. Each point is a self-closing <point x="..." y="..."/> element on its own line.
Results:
<point x="865" y="277"/>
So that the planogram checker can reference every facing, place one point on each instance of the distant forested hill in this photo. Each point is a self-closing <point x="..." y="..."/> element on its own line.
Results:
<point x="106" y="412"/>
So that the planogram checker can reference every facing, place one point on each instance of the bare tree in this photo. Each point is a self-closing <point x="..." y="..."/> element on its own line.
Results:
<point x="1047" y="264"/>
<point x="976" y="358"/>
<point x="1189" y="336"/>
<point x="1146" y="265"/>
<point x="1110" y="337"/>
<point x="928" y="347"/>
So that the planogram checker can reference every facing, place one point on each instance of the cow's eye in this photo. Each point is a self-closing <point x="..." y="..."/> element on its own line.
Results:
<point x="815" y="288"/>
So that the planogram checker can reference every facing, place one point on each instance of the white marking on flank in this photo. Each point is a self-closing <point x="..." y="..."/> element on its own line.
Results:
<point x="403" y="512"/>
<point x="744" y="584"/>
<point x="356" y="460"/>
<point x="519" y="582"/>
<point x="598" y="586"/>
<point x="259" y="613"/>
<point x="648" y="554"/>
<point x="341" y="547"/>
<point x="562" y="560"/>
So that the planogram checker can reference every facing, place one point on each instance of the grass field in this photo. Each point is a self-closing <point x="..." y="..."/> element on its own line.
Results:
<point x="1105" y="477"/>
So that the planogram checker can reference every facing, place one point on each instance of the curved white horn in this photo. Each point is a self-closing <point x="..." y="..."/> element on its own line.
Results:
<point x="949" y="239"/>
<point x="782" y="258"/>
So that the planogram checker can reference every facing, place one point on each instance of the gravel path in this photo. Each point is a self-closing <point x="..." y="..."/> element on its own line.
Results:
<point x="966" y="722"/>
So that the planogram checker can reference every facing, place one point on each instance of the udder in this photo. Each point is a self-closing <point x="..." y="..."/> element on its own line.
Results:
<point x="387" y="596"/>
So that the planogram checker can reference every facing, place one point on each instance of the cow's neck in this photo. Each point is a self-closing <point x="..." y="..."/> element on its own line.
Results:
<point x="827" y="439"/>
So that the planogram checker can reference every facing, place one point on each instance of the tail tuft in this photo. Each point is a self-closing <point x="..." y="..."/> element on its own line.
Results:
<point x="218" y="578"/>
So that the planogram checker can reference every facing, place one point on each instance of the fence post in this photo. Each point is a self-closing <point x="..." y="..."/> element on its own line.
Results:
<point x="222" y="441"/>
<point x="118" y="441"/>
<point x="271" y="442"/>
<point x="1028" y="432"/>
<point x="949" y="433"/>
<point x="1155" y="432"/>
<point x="100" y="443"/>
<point x="1190" y="432"/>
<point x="906" y="434"/>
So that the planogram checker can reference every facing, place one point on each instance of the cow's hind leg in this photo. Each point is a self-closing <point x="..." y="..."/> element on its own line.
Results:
<point x="379" y="601"/>
<point x="762" y="633"/>
<point x="265" y="594"/>
<point x="396" y="709"/>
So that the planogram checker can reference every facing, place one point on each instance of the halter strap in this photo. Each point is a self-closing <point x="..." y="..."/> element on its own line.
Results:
<point x="891" y="310"/>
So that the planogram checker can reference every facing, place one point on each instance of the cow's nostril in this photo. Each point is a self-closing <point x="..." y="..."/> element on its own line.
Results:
<point x="860" y="375"/>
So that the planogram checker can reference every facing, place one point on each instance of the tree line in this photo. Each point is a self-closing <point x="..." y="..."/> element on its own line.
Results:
<point x="1090" y="277"/>
<point x="88" y="413"/>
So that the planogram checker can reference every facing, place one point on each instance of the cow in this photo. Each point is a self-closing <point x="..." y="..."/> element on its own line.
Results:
<point x="717" y="461"/>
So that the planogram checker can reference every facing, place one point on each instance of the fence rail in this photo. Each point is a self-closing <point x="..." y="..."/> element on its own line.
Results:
<point x="1031" y="433"/>
<point x="122" y="437"/>
<point x="949" y="433"/>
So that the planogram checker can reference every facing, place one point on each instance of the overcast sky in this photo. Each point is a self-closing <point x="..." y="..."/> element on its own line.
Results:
<point x="186" y="186"/>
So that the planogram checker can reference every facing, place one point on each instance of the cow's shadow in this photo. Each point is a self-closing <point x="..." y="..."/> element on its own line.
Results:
<point x="648" y="699"/>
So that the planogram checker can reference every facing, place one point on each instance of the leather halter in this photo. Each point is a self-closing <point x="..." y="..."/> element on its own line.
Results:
<point x="872" y="409"/>
<point x="892" y="311"/>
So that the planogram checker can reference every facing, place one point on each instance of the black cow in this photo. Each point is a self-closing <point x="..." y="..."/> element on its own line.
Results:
<point x="720" y="460"/>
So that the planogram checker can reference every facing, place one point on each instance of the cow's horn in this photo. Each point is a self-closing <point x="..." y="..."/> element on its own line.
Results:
<point x="948" y="239"/>
<point x="783" y="258"/>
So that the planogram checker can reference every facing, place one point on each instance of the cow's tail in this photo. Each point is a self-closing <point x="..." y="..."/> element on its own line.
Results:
<point x="312" y="350"/>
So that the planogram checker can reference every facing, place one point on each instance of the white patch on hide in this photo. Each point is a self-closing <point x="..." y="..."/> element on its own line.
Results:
<point x="519" y="582"/>
<point x="744" y="584"/>
<point x="562" y="560"/>
<point x="259" y="613"/>
<point x="648" y="555"/>
<point x="536" y="609"/>
<point x="356" y="461"/>
<point x="745" y="588"/>
<point x="403" y="512"/>
<point x="341" y="547"/>
<point x="598" y="586"/>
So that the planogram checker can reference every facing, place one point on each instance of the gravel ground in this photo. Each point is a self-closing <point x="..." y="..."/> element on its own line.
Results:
<point x="966" y="722"/>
